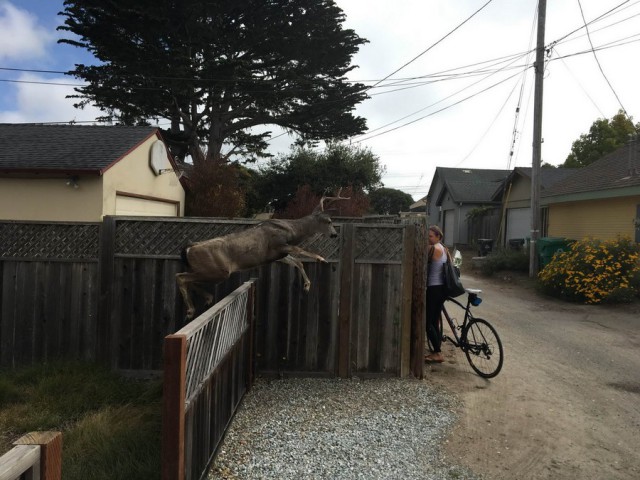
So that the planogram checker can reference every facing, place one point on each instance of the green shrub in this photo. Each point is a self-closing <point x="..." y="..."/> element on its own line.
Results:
<point x="594" y="271"/>
<point x="505" y="259"/>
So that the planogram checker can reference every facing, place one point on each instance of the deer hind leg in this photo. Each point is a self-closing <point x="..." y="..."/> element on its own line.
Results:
<point x="184" y="281"/>
<point x="204" y="293"/>
<point x="294" y="262"/>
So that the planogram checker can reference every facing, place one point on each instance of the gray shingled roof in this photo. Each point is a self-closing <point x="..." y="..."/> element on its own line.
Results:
<point x="60" y="149"/>
<point x="618" y="169"/>
<point x="469" y="185"/>
<point x="548" y="176"/>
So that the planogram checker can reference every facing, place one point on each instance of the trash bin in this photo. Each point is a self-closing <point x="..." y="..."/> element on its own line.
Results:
<point x="549" y="246"/>
<point x="485" y="246"/>
<point x="516" y="243"/>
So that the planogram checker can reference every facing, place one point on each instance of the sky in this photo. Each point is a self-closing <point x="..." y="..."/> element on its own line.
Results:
<point x="452" y="81"/>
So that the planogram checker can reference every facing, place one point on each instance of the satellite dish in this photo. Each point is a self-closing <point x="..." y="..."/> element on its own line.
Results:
<point x="158" y="158"/>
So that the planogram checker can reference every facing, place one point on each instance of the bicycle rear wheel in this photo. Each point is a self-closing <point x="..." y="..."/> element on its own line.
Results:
<point x="483" y="348"/>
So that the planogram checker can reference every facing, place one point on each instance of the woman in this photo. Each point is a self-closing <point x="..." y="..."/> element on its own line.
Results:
<point x="437" y="259"/>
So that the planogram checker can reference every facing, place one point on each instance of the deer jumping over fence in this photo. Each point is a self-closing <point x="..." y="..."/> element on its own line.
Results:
<point x="213" y="261"/>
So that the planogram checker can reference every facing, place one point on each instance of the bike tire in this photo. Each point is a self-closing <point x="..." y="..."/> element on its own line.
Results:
<point x="482" y="347"/>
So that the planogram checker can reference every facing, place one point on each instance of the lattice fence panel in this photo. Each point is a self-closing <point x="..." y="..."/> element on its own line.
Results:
<point x="379" y="244"/>
<point x="49" y="241"/>
<point x="167" y="237"/>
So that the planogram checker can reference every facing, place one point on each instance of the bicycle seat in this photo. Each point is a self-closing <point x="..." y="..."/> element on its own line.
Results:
<point x="473" y="291"/>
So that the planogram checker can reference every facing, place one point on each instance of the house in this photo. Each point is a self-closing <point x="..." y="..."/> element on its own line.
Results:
<point x="515" y="196"/>
<point x="601" y="200"/>
<point x="457" y="193"/>
<point x="82" y="173"/>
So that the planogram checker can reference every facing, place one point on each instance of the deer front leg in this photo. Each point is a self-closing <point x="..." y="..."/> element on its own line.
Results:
<point x="294" y="250"/>
<point x="294" y="262"/>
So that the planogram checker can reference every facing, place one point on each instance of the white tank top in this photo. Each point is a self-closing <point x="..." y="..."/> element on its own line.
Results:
<point x="436" y="268"/>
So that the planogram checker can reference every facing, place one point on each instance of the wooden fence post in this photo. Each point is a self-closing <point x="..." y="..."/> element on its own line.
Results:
<point x="50" y="452"/>
<point x="105" y="282"/>
<point x="418" y="305"/>
<point x="173" y="408"/>
<point x="408" y="255"/>
<point x="347" y="254"/>
<point x="251" y="317"/>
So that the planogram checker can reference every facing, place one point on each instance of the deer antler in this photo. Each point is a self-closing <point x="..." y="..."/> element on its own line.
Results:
<point x="331" y="199"/>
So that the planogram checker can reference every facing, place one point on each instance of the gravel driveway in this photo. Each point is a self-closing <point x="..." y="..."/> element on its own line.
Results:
<point x="340" y="429"/>
<point x="566" y="405"/>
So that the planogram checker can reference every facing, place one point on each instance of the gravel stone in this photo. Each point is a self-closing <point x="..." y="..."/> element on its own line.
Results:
<point x="340" y="429"/>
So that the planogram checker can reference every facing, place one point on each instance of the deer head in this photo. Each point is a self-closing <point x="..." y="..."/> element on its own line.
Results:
<point x="323" y="219"/>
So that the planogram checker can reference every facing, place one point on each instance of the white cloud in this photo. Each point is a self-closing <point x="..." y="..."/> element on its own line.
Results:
<point x="38" y="100"/>
<point x="20" y="35"/>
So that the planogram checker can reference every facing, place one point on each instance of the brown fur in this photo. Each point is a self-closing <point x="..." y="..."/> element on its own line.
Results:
<point x="213" y="261"/>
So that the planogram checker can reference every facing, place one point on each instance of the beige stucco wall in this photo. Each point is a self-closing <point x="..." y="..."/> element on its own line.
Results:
<point x="133" y="175"/>
<point x="603" y="219"/>
<point x="520" y="194"/>
<point x="51" y="199"/>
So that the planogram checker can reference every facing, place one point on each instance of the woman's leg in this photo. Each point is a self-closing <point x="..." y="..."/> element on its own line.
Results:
<point x="434" y="308"/>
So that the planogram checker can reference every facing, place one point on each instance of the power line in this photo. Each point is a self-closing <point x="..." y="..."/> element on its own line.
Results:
<point x="440" y="110"/>
<point x="598" y="61"/>
<point x="433" y="45"/>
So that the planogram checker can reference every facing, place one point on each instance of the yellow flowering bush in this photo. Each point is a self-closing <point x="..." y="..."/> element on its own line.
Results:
<point x="594" y="271"/>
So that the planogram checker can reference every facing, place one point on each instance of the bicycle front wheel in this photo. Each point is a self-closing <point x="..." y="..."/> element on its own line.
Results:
<point x="483" y="348"/>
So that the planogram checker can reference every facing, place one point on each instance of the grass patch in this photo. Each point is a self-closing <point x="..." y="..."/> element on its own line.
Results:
<point x="110" y="424"/>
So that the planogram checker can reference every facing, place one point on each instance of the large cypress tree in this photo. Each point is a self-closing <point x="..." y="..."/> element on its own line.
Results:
<point x="219" y="68"/>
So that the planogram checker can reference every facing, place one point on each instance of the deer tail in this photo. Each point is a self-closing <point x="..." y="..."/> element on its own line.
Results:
<point x="183" y="253"/>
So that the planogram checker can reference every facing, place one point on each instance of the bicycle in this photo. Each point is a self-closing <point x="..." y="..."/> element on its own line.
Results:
<point x="477" y="339"/>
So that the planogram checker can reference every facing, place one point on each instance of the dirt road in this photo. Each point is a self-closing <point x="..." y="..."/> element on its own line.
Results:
<point x="567" y="402"/>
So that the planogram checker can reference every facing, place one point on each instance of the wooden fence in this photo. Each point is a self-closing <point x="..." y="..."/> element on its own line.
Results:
<point x="107" y="292"/>
<point x="35" y="456"/>
<point x="48" y="291"/>
<point x="208" y="367"/>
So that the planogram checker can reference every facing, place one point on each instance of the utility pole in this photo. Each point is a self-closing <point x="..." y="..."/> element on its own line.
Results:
<point x="537" y="141"/>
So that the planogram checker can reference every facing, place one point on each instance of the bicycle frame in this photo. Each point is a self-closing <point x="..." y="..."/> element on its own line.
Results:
<point x="453" y="325"/>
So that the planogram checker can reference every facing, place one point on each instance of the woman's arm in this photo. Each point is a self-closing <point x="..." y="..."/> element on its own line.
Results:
<point x="438" y="251"/>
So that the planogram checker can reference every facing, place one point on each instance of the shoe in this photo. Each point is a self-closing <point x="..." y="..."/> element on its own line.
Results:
<point x="434" y="357"/>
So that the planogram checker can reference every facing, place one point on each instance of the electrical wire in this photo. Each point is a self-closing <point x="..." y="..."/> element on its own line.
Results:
<point x="379" y="83"/>
<point x="557" y="52"/>
<point x="598" y="62"/>
<point x="440" y="110"/>
<point x="433" y="45"/>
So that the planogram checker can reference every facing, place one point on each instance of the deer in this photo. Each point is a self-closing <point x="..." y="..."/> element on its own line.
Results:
<point x="275" y="240"/>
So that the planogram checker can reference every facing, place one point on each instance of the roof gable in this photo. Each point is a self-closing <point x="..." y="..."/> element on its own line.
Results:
<point x="60" y="149"/>
<point x="467" y="185"/>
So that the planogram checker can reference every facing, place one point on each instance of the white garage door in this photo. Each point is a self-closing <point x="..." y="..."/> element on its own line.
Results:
<point x="134" y="206"/>
<point x="518" y="223"/>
